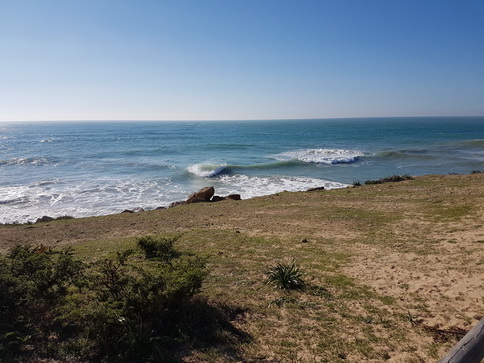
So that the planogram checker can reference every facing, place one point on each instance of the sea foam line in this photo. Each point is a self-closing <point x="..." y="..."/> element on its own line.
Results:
<point x="322" y="156"/>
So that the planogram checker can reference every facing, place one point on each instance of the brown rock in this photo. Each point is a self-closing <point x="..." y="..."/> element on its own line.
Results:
<point x="233" y="197"/>
<point x="203" y="195"/>
<point x="217" y="198"/>
<point x="175" y="204"/>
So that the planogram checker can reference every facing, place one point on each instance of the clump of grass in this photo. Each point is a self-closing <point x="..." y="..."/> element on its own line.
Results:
<point x="286" y="276"/>
<point x="390" y="179"/>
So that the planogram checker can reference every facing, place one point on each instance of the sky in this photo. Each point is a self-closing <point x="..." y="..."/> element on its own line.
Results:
<point x="240" y="59"/>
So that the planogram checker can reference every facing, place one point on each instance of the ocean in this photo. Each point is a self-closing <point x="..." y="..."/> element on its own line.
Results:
<point x="96" y="168"/>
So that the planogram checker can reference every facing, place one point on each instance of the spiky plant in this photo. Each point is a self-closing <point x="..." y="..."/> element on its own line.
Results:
<point x="285" y="276"/>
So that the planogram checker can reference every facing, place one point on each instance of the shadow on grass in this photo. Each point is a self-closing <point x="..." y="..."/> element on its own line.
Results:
<point x="207" y="327"/>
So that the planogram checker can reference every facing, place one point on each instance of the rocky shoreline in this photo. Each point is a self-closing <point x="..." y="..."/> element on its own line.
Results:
<point x="204" y="195"/>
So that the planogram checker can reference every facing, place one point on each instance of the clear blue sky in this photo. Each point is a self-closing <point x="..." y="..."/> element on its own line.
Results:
<point x="239" y="59"/>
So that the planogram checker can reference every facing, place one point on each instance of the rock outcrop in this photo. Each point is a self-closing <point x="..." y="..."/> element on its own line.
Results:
<point x="203" y="195"/>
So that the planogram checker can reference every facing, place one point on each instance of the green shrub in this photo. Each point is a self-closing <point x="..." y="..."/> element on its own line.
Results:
<point x="157" y="247"/>
<point x="286" y="277"/>
<point x="121" y="308"/>
<point x="34" y="282"/>
<point x="135" y="306"/>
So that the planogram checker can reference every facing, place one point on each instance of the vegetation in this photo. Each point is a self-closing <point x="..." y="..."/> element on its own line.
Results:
<point x="390" y="179"/>
<point x="285" y="276"/>
<point x="121" y="308"/>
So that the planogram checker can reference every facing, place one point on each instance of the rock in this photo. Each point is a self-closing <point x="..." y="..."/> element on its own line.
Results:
<point x="233" y="197"/>
<point x="304" y="240"/>
<point x="127" y="211"/>
<point x="203" y="195"/>
<point x="315" y="189"/>
<point x="138" y="210"/>
<point x="217" y="198"/>
<point x="44" y="219"/>
<point x="175" y="204"/>
<point x="157" y="208"/>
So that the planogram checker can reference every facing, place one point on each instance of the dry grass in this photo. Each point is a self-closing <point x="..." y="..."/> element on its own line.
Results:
<point x="381" y="262"/>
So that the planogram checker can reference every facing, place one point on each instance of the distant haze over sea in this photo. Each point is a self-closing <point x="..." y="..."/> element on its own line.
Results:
<point x="96" y="168"/>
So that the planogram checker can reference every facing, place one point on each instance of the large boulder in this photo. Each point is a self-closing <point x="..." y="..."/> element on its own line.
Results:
<point x="203" y="195"/>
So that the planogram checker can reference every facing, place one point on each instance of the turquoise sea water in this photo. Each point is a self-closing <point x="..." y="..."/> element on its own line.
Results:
<point x="95" y="168"/>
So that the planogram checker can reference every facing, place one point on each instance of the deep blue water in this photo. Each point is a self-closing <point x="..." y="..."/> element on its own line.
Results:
<point x="96" y="168"/>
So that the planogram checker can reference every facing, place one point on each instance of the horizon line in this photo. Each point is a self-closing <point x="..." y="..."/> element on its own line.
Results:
<point x="236" y="119"/>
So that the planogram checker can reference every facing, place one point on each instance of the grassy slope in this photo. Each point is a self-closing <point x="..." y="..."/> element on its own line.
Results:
<point x="392" y="269"/>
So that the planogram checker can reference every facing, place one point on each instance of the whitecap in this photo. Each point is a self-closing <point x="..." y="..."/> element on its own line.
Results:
<point x="322" y="156"/>
<point x="251" y="186"/>
<point x="206" y="170"/>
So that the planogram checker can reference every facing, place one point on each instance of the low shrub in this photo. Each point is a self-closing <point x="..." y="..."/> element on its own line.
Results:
<point x="34" y="283"/>
<point x="122" y="308"/>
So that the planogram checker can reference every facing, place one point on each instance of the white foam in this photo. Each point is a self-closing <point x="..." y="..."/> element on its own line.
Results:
<point x="322" y="156"/>
<point x="206" y="170"/>
<point x="25" y="161"/>
<point x="250" y="186"/>
<point x="84" y="198"/>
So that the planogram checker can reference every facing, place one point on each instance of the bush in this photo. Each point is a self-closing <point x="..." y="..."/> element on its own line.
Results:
<point x="135" y="305"/>
<point x="122" y="308"/>
<point x="34" y="282"/>
<point x="286" y="277"/>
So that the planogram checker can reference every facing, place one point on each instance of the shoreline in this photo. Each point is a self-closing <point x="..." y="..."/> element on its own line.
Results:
<point x="140" y="209"/>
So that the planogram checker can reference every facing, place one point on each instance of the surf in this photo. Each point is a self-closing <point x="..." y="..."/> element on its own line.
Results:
<point x="322" y="156"/>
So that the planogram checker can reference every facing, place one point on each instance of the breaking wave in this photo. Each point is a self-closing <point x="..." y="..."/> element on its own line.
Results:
<point x="322" y="156"/>
<point x="207" y="170"/>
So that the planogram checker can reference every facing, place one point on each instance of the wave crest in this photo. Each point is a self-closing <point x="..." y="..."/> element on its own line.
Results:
<point x="207" y="170"/>
<point x="322" y="156"/>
